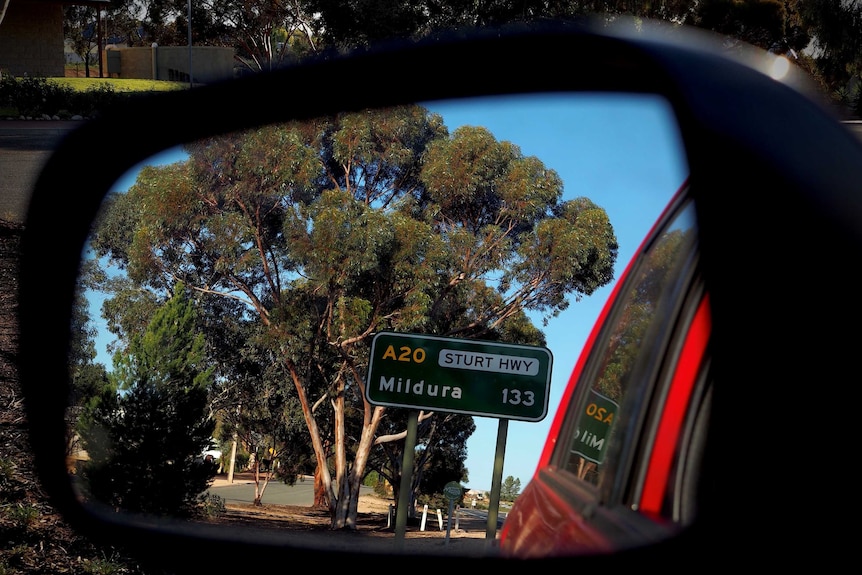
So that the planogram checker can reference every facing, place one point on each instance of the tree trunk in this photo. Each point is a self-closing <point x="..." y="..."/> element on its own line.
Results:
<point x="258" y="488"/>
<point x="341" y="517"/>
<point x="321" y="471"/>
<point x="319" y="489"/>
<point x="258" y="492"/>
<point x="342" y="499"/>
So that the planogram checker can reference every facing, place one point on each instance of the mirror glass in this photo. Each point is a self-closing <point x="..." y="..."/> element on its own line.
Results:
<point x="232" y="289"/>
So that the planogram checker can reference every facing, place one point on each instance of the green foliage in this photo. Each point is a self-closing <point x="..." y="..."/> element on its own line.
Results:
<point x="257" y="406"/>
<point x="761" y="23"/>
<point x="145" y="443"/>
<point x="34" y="96"/>
<point x="37" y="97"/>
<point x="510" y="489"/>
<point x="836" y="31"/>
<point x="212" y="505"/>
<point x="306" y="238"/>
<point x="241" y="461"/>
<point x="641" y="309"/>
<point x="22" y="514"/>
<point x="377" y="482"/>
<point x="439" y="455"/>
<point x="288" y="32"/>
<point x="435" y="501"/>
<point x="88" y="379"/>
<point x="103" y="565"/>
<point x="99" y="98"/>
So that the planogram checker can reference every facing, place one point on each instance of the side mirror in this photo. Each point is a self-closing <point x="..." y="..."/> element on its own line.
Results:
<point x="763" y="160"/>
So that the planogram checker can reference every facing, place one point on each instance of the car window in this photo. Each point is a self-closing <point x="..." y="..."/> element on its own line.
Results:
<point x="616" y="385"/>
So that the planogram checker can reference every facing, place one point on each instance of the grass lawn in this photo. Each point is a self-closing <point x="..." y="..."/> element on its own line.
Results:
<point x="120" y="85"/>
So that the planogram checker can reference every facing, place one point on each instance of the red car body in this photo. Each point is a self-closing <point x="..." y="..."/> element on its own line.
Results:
<point x="559" y="513"/>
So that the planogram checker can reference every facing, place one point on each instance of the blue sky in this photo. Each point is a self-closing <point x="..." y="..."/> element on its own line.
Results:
<point x="621" y="152"/>
<point x="624" y="154"/>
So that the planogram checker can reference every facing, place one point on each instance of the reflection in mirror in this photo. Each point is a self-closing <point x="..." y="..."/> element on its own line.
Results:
<point x="650" y="299"/>
<point x="231" y="289"/>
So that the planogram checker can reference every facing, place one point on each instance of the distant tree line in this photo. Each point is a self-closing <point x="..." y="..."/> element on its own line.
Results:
<point x="823" y="36"/>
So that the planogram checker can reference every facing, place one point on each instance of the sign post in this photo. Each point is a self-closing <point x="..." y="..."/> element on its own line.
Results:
<point x="452" y="491"/>
<point x="406" y="475"/>
<point x="496" y="481"/>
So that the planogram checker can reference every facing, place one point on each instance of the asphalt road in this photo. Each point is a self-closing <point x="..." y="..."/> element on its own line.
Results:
<point x="24" y="148"/>
<point x="302" y="494"/>
<point x="276" y="492"/>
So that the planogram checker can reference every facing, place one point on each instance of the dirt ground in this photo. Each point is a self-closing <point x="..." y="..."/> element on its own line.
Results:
<point x="374" y="532"/>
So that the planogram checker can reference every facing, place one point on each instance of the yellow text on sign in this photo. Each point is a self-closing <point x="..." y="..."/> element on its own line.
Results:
<point x="600" y="413"/>
<point x="404" y="353"/>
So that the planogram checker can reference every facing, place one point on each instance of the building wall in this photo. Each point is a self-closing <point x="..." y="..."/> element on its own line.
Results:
<point x="31" y="44"/>
<point x="31" y="39"/>
<point x="209" y="63"/>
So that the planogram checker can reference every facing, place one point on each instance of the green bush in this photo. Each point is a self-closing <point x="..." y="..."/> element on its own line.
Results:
<point x="376" y="482"/>
<point x="241" y="461"/>
<point x="212" y="506"/>
<point x="102" y="566"/>
<point x="99" y="99"/>
<point x="35" y="97"/>
<point x="434" y="502"/>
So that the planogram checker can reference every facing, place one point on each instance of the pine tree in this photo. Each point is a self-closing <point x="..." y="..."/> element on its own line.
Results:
<point x="510" y="489"/>
<point x="145" y="441"/>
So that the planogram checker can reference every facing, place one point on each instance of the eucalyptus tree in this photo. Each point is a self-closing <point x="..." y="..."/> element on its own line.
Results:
<point x="79" y="28"/>
<point x="836" y="32"/>
<point x="253" y="406"/>
<point x="265" y="33"/>
<point x="330" y="230"/>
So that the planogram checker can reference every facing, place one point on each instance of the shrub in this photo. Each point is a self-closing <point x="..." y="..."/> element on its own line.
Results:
<point x="212" y="505"/>
<point x="98" y="99"/>
<point x="434" y="502"/>
<point x="35" y="97"/>
<point x="241" y="461"/>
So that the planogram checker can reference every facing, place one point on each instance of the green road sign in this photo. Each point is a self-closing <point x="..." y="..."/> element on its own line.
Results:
<point x="452" y="491"/>
<point x="594" y="426"/>
<point x="491" y="379"/>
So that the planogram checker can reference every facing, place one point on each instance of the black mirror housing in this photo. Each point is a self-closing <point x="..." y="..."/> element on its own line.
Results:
<point x="775" y="177"/>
